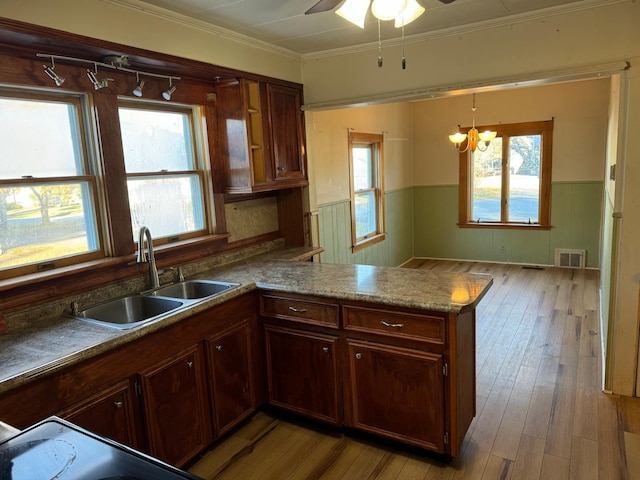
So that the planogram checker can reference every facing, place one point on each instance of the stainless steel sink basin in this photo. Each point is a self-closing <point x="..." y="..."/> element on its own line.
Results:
<point x="194" y="289"/>
<point x="129" y="312"/>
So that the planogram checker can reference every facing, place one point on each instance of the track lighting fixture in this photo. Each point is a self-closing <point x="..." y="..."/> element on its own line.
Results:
<point x="50" y="71"/>
<point x="113" y="62"/>
<point x="98" y="84"/>
<point x="167" y="93"/>
<point x="139" y="86"/>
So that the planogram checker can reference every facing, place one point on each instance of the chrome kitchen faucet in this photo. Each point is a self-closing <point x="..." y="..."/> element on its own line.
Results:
<point x="142" y="258"/>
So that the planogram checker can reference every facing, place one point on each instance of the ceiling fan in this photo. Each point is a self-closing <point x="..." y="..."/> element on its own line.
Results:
<point x="326" y="5"/>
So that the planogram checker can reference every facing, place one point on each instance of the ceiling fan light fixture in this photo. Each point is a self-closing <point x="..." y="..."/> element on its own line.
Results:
<point x="412" y="11"/>
<point x="354" y="11"/>
<point x="387" y="9"/>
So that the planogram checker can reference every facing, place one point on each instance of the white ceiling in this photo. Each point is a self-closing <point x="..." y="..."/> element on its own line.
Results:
<point x="283" y="23"/>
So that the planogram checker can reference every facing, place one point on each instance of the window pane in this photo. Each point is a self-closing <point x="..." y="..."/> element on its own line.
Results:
<point x="524" y="178"/>
<point x="45" y="222"/>
<point x="166" y="205"/>
<point x="155" y="140"/>
<point x="486" y="174"/>
<point x="39" y="138"/>
<point x="362" y="168"/>
<point x="365" y="209"/>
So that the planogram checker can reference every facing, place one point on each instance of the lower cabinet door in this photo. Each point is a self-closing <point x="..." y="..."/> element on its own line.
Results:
<point x="232" y="396"/>
<point x="302" y="372"/>
<point x="398" y="393"/>
<point x="110" y="413"/>
<point x="174" y="397"/>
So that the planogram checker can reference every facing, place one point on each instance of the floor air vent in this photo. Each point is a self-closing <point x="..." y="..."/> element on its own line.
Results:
<point x="569" y="258"/>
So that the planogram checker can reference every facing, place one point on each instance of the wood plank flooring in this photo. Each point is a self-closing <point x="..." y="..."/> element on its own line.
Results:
<point x="541" y="413"/>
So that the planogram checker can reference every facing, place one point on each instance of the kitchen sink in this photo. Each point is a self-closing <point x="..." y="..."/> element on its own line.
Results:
<point x="129" y="312"/>
<point x="194" y="289"/>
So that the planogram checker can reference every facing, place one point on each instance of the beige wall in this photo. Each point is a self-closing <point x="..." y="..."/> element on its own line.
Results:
<point x="530" y="49"/>
<point x="579" y="110"/>
<point x="149" y="29"/>
<point x="327" y="134"/>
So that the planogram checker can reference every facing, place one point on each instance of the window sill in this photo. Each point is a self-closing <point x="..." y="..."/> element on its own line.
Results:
<point x="367" y="242"/>
<point x="34" y="288"/>
<point x="506" y="226"/>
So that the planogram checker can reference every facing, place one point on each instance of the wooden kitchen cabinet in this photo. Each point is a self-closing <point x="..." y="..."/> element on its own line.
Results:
<point x="230" y="377"/>
<point x="112" y="413"/>
<point x="260" y="135"/>
<point x="302" y="372"/>
<point x="174" y="398"/>
<point x="398" y="393"/>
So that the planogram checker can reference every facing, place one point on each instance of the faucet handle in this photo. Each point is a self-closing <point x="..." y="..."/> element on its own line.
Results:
<point x="74" y="309"/>
<point x="180" y="274"/>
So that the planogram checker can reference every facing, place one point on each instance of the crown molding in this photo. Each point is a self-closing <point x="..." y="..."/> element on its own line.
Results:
<point x="206" y="27"/>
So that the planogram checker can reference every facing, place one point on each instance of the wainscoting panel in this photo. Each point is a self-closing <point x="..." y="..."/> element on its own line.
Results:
<point x="575" y="218"/>
<point x="397" y="248"/>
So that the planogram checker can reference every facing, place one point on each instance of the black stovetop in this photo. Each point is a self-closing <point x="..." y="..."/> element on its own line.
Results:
<point x="55" y="449"/>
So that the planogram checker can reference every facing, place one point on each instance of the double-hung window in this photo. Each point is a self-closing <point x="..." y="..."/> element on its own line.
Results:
<point x="48" y="215"/>
<point x="509" y="183"/>
<point x="367" y="192"/>
<point x="165" y="173"/>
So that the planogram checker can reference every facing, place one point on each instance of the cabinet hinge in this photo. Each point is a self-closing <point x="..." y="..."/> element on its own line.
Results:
<point x="445" y="369"/>
<point x="446" y="438"/>
<point x="138" y="389"/>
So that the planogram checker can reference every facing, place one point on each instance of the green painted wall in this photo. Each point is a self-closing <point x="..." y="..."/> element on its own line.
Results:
<point x="397" y="248"/>
<point x="575" y="218"/>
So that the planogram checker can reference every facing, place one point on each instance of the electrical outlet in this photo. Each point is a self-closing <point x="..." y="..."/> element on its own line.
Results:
<point x="503" y="249"/>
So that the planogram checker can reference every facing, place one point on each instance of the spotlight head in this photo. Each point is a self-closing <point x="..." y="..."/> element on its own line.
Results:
<point x="138" y="90"/>
<point x="167" y="93"/>
<point x="53" y="75"/>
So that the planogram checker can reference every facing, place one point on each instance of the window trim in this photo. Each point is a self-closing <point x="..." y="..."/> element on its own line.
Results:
<point x="377" y="140"/>
<point x="84" y="125"/>
<point x="543" y="128"/>
<point x="200" y="164"/>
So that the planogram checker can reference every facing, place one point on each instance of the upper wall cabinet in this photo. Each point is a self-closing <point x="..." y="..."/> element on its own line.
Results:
<point x="260" y="137"/>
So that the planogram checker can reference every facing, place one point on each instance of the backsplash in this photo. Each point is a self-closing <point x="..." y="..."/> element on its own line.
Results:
<point x="59" y="307"/>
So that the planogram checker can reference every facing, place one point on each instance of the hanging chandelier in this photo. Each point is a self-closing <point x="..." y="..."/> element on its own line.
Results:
<point x="475" y="139"/>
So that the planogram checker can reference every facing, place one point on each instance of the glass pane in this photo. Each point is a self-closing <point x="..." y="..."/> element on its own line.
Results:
<point x="166" y="205"/>
<point x="524" y="178"/>
<point x="365" y="213"/>
<point x="156" y="140"/>
<point x="39" y="139"/>
<point x="45" y="222"/>
<point x="362" y="168"/>
<point x="486" y="178"/>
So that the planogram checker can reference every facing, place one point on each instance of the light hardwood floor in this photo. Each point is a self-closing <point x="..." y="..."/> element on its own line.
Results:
<point x="541" y="413"/>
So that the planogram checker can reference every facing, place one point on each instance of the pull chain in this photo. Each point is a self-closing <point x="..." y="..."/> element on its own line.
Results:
<point x="379" y="47"/>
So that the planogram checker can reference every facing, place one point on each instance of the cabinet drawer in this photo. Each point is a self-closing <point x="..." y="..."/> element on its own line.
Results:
<point x="299" y="310"/>
<point x="425" y="328"/>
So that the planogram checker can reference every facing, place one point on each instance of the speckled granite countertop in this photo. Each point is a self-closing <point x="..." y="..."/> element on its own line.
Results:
<point x="32" y="351"/>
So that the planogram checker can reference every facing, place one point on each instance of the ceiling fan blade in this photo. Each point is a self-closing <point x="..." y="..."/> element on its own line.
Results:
<point x="323" y="6"/>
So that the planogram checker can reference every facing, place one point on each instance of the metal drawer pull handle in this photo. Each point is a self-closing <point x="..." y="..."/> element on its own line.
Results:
<point x="219" y="348"/>
<point x="392" y="325"/>
<point x="325" y="349"/>
<point x="118" y="404"/>
<point x="190" y="364"/>
<point x="358" y="355"/>
<point x="298" y="310"/>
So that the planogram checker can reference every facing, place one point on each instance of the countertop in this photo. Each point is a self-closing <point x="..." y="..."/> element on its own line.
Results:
<point x="31" y="351"/>
<point x="7" y="431"/>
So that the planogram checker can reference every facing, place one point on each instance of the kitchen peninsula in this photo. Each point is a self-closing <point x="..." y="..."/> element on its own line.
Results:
<point x="385" y="350"/>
